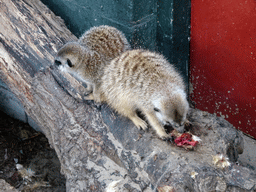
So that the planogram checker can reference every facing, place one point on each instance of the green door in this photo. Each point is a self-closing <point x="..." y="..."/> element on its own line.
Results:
<point x="157" y="25"/>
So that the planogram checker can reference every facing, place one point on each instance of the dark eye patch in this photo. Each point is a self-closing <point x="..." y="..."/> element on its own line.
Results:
<point x="176" y="114"/>
<point x="57" y="62"/>
<point x="69" y="63"/>
<point x="178" y="117"/>
<point x="156" y="109"/>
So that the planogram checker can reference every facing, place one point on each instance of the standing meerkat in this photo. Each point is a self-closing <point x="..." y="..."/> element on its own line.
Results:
<point x="86" y="58"/>
<point x="145" y="81"/>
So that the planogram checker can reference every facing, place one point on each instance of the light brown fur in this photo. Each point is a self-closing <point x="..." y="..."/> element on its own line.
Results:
<point x="86" y="58"/>
<point x="108" y="41"/>
<point x="145" y="81"/>
<point x="83" y="64"/>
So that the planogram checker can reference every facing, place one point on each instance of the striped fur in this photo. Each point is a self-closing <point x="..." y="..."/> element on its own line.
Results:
<point x="108" y="41"/>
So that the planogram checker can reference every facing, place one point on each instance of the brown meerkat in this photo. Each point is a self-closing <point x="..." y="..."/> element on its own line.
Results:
<point x="146" y="81"/>
<point x="86" y="58"/>
<point x="108" y="41"/>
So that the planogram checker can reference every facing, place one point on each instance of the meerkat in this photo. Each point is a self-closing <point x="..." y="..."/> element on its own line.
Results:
<point x="140" y="80"/>
<point x="86" y="58"/>
<point x="82" y="63"/>
<point x="108" y="41"/>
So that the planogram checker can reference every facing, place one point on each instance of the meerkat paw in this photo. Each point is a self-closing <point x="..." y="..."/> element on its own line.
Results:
<point x="89" y="97"/>
<point x="163" y="135"/>
<point x="139" y="123"/>
<point x="88" y="91"/>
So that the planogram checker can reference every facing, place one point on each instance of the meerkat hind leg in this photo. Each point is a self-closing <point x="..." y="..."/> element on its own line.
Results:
<point x="156" y="125"/>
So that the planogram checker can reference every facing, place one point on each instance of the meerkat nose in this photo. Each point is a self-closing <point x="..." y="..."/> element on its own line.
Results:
<point x="57" y="62"/>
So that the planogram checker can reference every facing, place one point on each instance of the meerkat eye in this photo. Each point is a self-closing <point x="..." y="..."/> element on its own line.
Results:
<point x="156" y="109"/>
<point x="69" y="63"/>
<point x="58" y="63"/>
<point x="177" y="116"/>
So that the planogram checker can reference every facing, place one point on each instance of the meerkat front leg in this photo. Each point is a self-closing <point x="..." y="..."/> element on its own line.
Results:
<point x="154" y="122"/>
<point x="138" y="122"/>
<point x="96" y="93"/>
<point x="88" y="89"/>
<point x="132" y="115"/>
<point x="88" y="92"/>
<point x="93" y="93"/>
<point x="89" y="97"/>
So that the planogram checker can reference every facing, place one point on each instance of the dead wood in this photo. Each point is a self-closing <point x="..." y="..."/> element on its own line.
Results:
<point x="95" y="146"/>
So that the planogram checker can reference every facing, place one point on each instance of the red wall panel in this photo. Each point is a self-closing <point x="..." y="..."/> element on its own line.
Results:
<point x="223" y="60"/>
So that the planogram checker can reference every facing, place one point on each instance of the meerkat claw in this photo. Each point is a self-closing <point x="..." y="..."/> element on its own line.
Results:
<point x="139" y="123"/>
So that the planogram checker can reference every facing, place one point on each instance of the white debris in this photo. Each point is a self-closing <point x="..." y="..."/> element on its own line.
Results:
<point x="193" y="174"/>
<point x="112" y="187"/>
<point x="221" y="161"/>
<point x="196" y="138"/>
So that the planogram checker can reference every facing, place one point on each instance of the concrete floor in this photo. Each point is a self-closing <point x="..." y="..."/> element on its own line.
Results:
<point x="248" y="157"/>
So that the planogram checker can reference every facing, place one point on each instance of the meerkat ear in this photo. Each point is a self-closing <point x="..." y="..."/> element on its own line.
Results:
<point x="70" y="63"/>
<point x="178" y="117"/>
<point x="57" y="62"/>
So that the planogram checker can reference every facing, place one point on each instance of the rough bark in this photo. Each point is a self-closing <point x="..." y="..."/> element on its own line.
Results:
<point x="4" y="186"/>
<point x="95" y="145"/>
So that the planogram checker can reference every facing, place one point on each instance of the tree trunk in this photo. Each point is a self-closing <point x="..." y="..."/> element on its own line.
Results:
<point x="97" y="147"/>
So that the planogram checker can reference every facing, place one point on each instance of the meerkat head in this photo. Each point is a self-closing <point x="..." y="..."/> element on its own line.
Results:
<point x="77" y="60"/>
<point x="70" y="56"/>
<point x="172" y="110"/>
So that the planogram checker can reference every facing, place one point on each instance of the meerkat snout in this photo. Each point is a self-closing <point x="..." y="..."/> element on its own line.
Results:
<point x="57" y="62"/>
<point x="172" y="112"/>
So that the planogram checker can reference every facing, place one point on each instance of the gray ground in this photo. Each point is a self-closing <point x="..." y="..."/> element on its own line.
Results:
<point x="248" y="157"/>
<point x="20" y="144"/>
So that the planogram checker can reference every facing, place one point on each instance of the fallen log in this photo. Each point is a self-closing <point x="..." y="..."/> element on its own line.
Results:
<point x="97" y="148"/>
